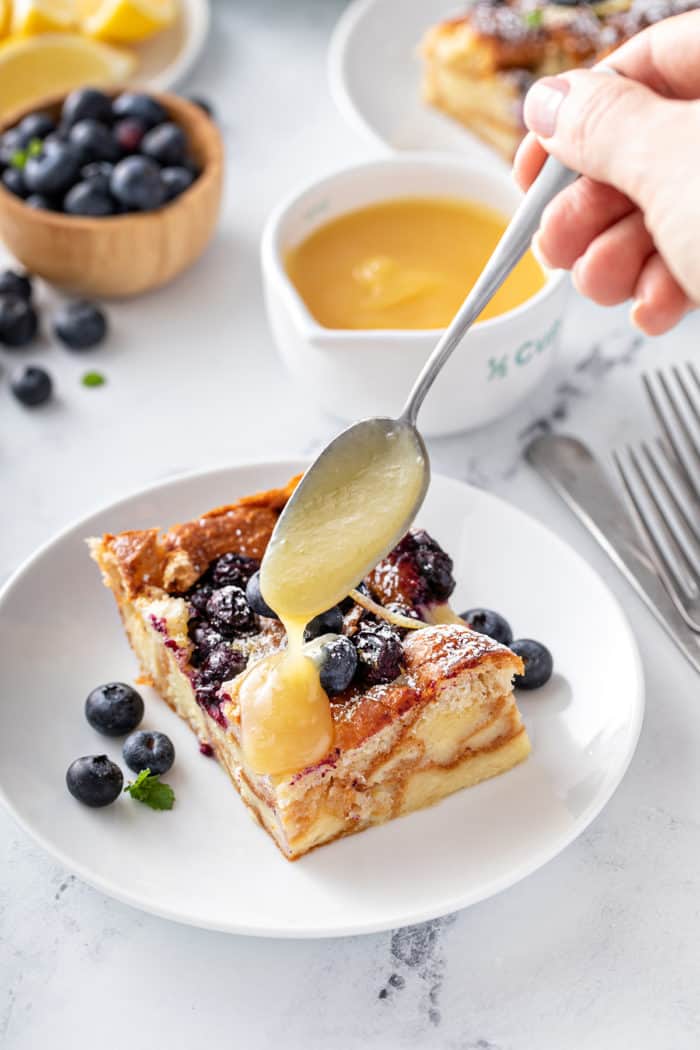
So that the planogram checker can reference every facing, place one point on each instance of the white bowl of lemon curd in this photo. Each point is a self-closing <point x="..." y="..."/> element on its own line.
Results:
<point x="363" y="270"/>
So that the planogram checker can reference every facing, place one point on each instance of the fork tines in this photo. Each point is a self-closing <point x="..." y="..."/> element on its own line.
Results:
<point x="662" y="483"/>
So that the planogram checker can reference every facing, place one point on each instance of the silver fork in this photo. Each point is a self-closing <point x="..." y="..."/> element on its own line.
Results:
<point x="662" y="483"/>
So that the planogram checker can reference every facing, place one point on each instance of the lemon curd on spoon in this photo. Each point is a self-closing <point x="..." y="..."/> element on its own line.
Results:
<point x="406" y="263"/>
<point x="342" y="521"/>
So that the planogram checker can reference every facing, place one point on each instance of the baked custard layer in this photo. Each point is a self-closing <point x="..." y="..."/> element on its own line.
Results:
<point x="446" y="722"/>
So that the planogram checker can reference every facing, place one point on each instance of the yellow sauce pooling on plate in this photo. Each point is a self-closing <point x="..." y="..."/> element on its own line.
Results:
<point x="405" y="264"/>
<point x="341" y="522"/>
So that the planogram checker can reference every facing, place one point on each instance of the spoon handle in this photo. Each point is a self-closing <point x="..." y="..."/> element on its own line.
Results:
<point x="553" y="178"/>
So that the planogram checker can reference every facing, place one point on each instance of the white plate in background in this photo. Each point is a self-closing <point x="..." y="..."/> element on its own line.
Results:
<point x="375" y="78"/>
<point x="206" y="862"/>
<point x="165" y="59"/>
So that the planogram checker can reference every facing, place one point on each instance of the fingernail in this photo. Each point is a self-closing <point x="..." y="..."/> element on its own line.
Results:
<point x="537" y="251"/>
<point x="542" y="104"/>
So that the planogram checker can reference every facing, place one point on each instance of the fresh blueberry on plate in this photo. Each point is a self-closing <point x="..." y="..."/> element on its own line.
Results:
<point x="13" y="283"/>
<point x="18" y="321"/>
<point x="114" y="708"/>
<point x="94" y="141"/>
<point x="140" y="107"/>
<point x="538" y="663"/>
<point x="94" y="780"/>
<point x="176" y="181"/>
<point x="146" y="750"/>
<point x="87" y="198"/>
<point x="328" y="622"/>
<point x="31" y="385"/>
<point x="137" y="183"/>
<point x="338" y="665"/>
<point x="256" y="600"/>
<point x="166" y="144"/>
<point x="86" y="104"/>
<point x="54" y="170"/>
<point x="80" y="325"/>
<point x="486" y="621"/>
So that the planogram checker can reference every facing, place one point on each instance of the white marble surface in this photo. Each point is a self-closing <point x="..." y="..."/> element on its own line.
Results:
<point x="598" y="949"/>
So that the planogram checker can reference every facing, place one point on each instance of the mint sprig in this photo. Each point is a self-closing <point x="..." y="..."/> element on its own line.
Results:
<point x="147" y="788"/>
<point x="534" y="18"/>
<point x="20" y="157"/>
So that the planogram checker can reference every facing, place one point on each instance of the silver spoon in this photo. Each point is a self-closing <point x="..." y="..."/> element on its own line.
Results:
<point x="365" y="446"/>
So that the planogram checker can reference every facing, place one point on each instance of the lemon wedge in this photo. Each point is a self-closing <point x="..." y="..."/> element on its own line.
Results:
<point x="33" y="67"/>
<point x="31" y="17"/>
<point x="126" y="21"/>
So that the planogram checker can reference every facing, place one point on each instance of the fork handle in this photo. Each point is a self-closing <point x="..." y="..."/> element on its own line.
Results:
<point x="570" y="467"/>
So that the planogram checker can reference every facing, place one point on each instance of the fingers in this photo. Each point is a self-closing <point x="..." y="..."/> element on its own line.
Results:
<point x="529" y="158"/>
<point x="579" y="118"/>
<point x="660" y="302"/>
<point x="575" y="218"/>
<point x="665" y="57"/>
<point x="610" y="268"/>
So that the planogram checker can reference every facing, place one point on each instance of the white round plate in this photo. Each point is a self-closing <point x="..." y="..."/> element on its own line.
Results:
<point x="375" y="78"/>
<point x="206" y="862"/>
<point x="168" y="57"/>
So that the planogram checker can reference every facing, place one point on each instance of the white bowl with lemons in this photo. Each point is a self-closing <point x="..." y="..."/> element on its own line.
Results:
<point x="356" y="371"/>
<point x="49" y="47"/>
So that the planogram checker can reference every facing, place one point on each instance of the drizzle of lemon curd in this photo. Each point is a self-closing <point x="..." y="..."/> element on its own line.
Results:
<point x="326" y="541"/>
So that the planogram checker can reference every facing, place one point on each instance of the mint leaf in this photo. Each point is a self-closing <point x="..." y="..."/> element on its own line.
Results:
<point x="93" y="379"/>
<point x="534" y="18"/>
<point x="147" y="788"/>
<point x="34" y="148"/>
<point x="18" y="158"/>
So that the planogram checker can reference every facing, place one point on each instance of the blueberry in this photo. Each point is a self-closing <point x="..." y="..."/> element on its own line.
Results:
<point x="34" y="126"/>
<point x="338" y="665"/>
<point x="434" y="565"/>
<point x="31" y="385"/>
<point x="10" y="143"/>
<point x="256" y="600"/>
<point x="176" y="180"/>
<point x="94" y="141"/>
<point x="94" y="780"/>
<point x="38" y="200"/>
<point x="86" y="198"/>
<point x="203" y="104"/>
<point x="233" y="569"/>
<point x="222" y="664"/>
<point x="205" y="639"/>
<point x="86" y="104"/>
<point x="140" y="107"/>
<point x="328" y="622"/>
<point x="379" y="653"/>
<point x="137" y="183"/>
<point x="80" y="325"/>
<point x="229" y="611"/>
<point x="486" y="621"/>
<point x="128" y="134"/>
<point x="18" y="321"/>
<point x="538" y="663"/>
<point x="14" y="283"/>
<point x="14" y="181"/>
<point x="53" y="170"/>
<point x="97" y="173"/>
<point x="199" y="595"/>
<point x="166" y="143"/>
<point x="145" y="750"/>
<point x="114" y="709"/>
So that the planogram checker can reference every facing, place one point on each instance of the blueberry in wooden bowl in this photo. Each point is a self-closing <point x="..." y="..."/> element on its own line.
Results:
<point x="103" y="209"/>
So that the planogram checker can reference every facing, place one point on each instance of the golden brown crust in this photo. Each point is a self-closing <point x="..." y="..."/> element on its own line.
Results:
<point x="174" y="560"/>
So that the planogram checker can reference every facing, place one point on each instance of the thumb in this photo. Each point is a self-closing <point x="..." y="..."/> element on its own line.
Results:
<point x="607" y="127"/>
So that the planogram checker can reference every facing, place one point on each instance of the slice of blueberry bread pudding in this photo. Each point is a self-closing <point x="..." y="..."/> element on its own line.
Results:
<point x="417" y="714"/>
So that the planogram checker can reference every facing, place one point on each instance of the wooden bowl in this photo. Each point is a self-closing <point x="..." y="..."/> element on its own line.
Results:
<point x="121" y="255"/>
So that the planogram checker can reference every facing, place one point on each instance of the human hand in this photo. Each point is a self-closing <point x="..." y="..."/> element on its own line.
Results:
<point x="629" y="228"/>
